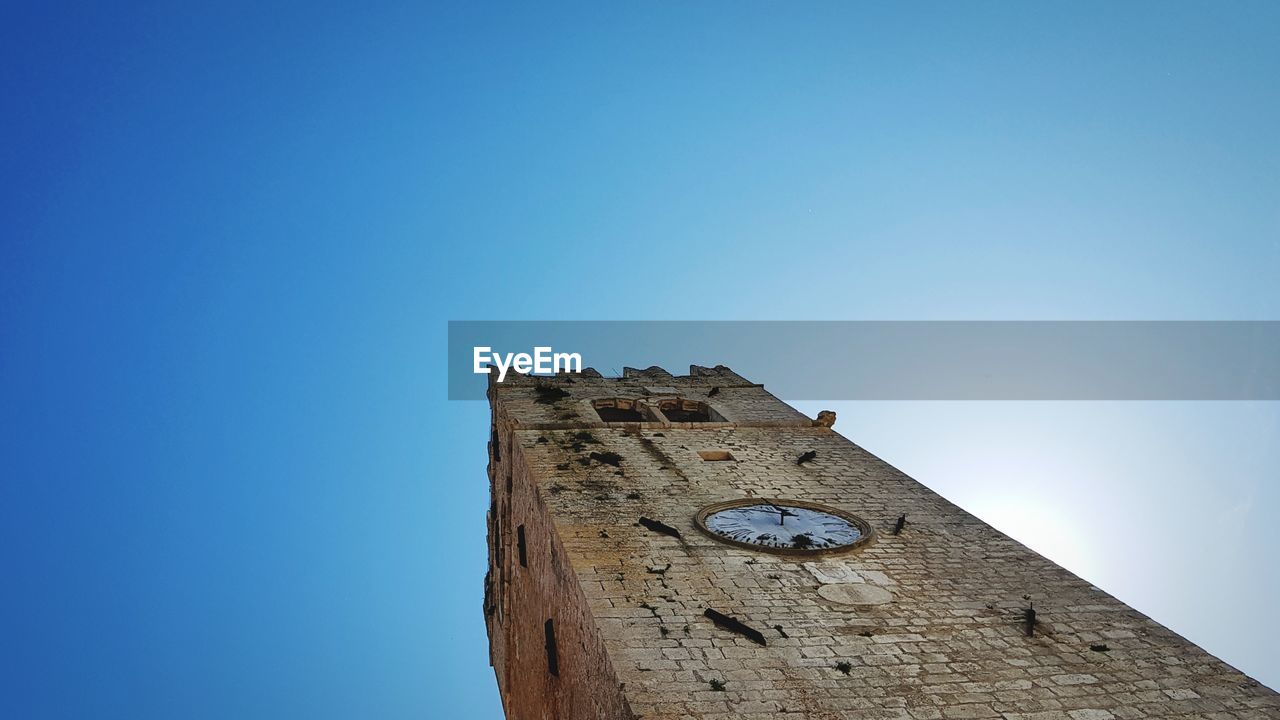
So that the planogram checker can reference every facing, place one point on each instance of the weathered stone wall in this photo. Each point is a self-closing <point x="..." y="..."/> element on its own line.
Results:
<point x="952" y="644"/>
<point x="522" y="597"/>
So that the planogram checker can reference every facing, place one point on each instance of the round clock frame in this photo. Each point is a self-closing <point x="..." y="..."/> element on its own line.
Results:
<point x="866" y="536"/>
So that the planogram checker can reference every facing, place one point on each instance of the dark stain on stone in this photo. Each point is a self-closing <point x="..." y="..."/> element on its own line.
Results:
<point x="549" y="394"/>
<point x="734" y="625"/>
<point x="607" y="457"/>
<point x="659" y="527"/>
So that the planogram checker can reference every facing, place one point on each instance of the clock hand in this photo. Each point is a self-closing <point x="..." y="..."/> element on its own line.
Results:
<point x="781" y="519"/>
<point x="782" y="513"/>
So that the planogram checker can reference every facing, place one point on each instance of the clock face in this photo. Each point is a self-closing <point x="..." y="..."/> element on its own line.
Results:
<point x="782" y="526"/>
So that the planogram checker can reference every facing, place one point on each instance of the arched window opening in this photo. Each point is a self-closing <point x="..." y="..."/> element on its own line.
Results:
<point x="620" y="410"/>
<point x="679" y="410"/>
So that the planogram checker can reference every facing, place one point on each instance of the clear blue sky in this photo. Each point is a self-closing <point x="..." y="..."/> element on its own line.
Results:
<point x="230" y="484"/>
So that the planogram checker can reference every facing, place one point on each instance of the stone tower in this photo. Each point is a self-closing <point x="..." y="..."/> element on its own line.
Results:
<point x="610" y="596"/>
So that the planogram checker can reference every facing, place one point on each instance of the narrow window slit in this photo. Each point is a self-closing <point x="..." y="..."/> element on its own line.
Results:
<point x="553" y="660"/>
<point x="520" y="547"/>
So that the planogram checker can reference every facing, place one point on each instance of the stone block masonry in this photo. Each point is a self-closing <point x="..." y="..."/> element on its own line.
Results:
<point x="595" y="616"/>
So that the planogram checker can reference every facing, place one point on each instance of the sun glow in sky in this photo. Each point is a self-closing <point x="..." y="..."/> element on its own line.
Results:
<point x="1163" y="505"/>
